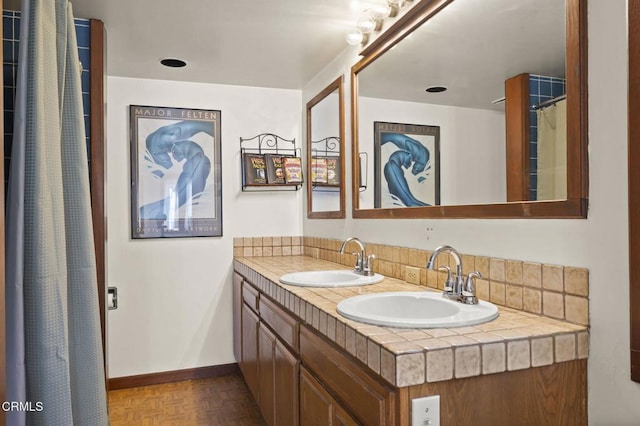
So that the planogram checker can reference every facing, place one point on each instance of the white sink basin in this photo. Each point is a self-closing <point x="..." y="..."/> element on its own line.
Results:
<point x="415" y="310"/>
<point x="337" y="278"/>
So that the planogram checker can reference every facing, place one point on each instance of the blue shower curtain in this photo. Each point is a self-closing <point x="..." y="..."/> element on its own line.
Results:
<point x="54" y="349"/>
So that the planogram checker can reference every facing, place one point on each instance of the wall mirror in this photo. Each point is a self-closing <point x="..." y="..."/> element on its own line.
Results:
<point x="325" y="153"/>
<point x="474" y="109"/>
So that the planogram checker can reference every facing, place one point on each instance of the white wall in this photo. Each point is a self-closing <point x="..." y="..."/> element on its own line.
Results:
<point x="472" y="147"/>
<point x="598" y="243"/>
<point x="175" y="294"/>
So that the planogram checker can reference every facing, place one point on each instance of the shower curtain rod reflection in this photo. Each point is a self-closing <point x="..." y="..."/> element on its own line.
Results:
<point x="549" y="102"/>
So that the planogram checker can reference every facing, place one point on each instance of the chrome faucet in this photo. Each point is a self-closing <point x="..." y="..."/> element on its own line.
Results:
<point x="456" y="288"/>
<point x="363" y="264"/>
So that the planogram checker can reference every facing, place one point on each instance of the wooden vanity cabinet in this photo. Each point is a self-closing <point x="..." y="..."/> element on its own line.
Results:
<point x="279" y="369"/>
<point x="369" y="400"/>
<point x="249" y="355"/>
<point x="266" y="367"/>
<point x="336" y="390"/>
<point x="267" y="348"/>
<point x="298" y="376"/>
<point x="317" y="406"/>
<point x="237" y="315"/>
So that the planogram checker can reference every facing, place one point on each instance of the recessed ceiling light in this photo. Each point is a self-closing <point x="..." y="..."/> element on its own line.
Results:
<point x="436" y="89"/>
<point x="173" y="63"/>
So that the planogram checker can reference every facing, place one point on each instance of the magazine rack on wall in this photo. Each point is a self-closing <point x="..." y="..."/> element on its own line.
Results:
<point x="270" y="162"/>
<point x="326" y="152"/>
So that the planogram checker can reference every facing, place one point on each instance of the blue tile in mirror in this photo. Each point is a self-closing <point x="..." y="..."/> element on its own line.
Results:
<point x="541" y="89"/>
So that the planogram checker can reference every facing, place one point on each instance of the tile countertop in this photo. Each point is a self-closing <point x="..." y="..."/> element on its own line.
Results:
<point x="403" y="357"/>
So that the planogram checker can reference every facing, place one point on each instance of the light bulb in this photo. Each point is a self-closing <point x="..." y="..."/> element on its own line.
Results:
<point x="379" y="11"/>
<point x="354" y="38"/>
<point x="365" y="25"/>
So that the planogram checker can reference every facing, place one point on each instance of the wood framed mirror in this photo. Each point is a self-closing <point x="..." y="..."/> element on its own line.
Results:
<point x="487" y="54"/>
<point x="325" y="153"/>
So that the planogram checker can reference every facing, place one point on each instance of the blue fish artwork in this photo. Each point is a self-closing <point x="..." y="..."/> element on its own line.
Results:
<point x="411" y="154"/>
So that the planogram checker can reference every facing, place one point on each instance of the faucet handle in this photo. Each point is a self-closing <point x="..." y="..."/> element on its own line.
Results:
<point x="368" y="264"/>
<point x="370" y="259"/>
<point x="469" y="290"/>
<point x="449" y="283"/>
<point x="358" y="265"/>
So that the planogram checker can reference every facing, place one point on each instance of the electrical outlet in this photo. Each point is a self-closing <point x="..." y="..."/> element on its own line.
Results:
<point x="412" y="275"/>
<point x="425" y="411"/>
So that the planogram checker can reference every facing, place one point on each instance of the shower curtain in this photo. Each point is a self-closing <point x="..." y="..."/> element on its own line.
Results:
<point x="55" y="364"/>
<point x="552" y="152"/>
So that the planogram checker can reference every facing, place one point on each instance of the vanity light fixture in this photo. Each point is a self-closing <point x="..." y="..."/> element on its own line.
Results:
<point x="372" y="18"/>
<point x="173" y="63"/>
<point x="436" y="89"/>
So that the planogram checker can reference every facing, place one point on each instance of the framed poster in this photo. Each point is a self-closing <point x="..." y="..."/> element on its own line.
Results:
<point x="406" y="165"/>
<point x="176" y="177"/>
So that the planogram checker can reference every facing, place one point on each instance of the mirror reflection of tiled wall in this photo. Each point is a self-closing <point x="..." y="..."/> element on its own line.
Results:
<point x="541" y="89"/>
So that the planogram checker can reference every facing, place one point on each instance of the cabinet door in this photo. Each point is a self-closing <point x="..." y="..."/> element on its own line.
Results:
<point x="286" y="379"/>
<point x="237" y="316"/>
<point x="266" y="348"/>
<point x="278" y="380"/>
<point x="317" y="406"/>
<point x="249" y="363"/>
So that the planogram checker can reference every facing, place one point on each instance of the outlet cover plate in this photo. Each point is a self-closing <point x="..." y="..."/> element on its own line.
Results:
<point x="412" y="275"/>
<point x="425" y="411"/>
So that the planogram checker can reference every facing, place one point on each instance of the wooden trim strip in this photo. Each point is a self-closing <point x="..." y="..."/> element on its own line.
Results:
<point x="173" y="376"/>
<point x="634" y="185"/>
<point x="97" y="167"/>
<point x="516" y="109"/>
<point x="564" y="209"/>
<point x="577" y="100"/>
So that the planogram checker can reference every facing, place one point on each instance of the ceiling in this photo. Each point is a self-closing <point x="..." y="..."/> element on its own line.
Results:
<point x="471" y="47"/>
<point x="265" y="43"/>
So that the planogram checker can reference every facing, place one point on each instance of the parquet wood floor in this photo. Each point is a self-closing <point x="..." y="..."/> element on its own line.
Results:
<point x="222" y="400"/>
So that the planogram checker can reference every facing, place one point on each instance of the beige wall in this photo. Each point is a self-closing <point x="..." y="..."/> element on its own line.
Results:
<point x="598" y="243"/>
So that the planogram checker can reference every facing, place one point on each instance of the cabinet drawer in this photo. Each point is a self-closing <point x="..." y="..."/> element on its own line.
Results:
<point x="250" y="296"/>
<point x="285" y="326"/>
<point x="369" y="400"/>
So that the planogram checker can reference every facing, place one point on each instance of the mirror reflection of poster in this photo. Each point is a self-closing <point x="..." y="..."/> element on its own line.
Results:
<point x="176" y="188"/>
<point x="406" y="165"/>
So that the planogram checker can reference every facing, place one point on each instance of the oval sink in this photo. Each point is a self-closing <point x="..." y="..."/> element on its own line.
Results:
<point x="337" y="278"/>
<point x="415" y="310"/>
